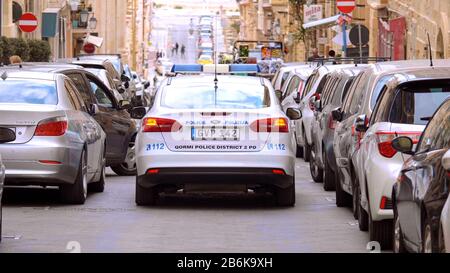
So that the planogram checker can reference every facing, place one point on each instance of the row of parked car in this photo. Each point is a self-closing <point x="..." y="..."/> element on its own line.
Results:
<point x="379" y="135"/>
<point x="62" y="124"/>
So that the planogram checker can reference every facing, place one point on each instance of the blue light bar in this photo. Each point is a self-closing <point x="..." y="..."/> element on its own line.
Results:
<point x="187" y="68"/>
<point x="244" y="68"/>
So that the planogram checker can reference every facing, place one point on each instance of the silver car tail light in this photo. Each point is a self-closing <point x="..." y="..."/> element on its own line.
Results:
<point x="52" y="127"/>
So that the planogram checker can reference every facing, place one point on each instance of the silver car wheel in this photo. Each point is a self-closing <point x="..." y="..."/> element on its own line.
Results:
<point x="85" y="178"/>
<point x="130" y="160"/>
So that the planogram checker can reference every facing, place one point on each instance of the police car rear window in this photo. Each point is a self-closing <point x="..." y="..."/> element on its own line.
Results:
<point x="417" y="104"/>
<point x="28" y="91"/>
<point x="228" y="96"/>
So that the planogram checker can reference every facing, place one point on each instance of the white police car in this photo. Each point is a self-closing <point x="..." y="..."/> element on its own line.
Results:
<point x="229" y="135"/>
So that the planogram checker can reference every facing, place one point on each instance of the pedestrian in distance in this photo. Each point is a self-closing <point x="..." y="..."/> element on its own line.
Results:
<point x="332" y="56"/>
<point x="183" y="51"/>
<point x="315" y="55"/>
<point x="177" y="46"/>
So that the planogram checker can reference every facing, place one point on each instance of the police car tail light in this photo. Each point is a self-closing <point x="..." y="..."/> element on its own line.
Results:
<point x="160" y="125"/>
<point x="52" y="127"/>
<point x="270" y="125"/>
<point x="385" y="139"/>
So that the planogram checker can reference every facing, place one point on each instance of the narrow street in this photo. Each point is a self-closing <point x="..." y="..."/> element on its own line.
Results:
<point x="35" y="221"/>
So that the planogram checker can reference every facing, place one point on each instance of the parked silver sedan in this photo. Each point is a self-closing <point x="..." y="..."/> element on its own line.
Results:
<point x="6" y="135"/>
<point x="57" y="142"/>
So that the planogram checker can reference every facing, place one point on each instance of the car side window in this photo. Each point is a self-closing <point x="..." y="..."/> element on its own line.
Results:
<point x="383" y="107"/>
<point x="71" y="90"/>
<point x="101" y="95"/>
<point x="309" y="84"/>
<point x="80" y="83"/>
<point x="437" y="134"/>
<point x="348" y="98"/>
<point x="293" y="85"/>
<point x="322" y="84"/>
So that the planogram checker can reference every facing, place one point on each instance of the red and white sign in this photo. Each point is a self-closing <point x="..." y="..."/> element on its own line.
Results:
<point x="312" y="13"/>
<point x="28" y="22"/>
<point x="345" y="6"/>
<point x="89" y="48"/>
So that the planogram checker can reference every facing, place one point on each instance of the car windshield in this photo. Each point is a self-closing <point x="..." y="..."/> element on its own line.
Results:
<point x="229" y="96"/>
<point x="417" y="104"/>
<point x="28" y="91"/>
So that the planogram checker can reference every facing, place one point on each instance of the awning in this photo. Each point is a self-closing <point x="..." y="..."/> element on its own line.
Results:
<point x="322" y="22"/>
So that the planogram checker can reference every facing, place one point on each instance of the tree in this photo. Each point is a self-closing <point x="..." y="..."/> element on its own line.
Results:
<point x="297" y="14"/>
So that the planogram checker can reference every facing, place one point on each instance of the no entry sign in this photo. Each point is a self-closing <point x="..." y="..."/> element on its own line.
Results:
<point x="345" y="6"/>
<point x="89" y="48"/>
<point x="28" y="22"/>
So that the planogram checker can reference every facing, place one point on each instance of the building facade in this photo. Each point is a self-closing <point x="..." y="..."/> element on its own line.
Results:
<point x="398" y="29"/>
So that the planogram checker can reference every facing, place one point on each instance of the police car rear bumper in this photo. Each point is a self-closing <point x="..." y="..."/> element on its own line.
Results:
<point x="250" y="177"/>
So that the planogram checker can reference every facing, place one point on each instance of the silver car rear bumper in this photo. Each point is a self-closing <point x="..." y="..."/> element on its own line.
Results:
<point x="23" y="166"/>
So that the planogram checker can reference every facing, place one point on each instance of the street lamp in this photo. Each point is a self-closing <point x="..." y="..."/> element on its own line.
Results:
<point x="93" y="23"/>
<point x="84" y="16"/>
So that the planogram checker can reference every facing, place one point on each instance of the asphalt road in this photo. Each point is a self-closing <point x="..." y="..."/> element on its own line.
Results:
<point x="35" y="221"/>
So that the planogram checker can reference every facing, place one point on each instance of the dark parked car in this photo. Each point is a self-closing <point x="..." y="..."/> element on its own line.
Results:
<point x="323" y="162"/>
<point x="123" y="83"/>
<point x="112" y="115"/>
<point x="423" y="187"/>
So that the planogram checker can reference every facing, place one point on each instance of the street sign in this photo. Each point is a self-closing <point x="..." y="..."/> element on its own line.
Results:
<point x="355" y="35"/>
<point x="312" y="13"/>
<point x="89" y="48"/>
<point x="345" y="6"/>
<point x="28" y="22"/>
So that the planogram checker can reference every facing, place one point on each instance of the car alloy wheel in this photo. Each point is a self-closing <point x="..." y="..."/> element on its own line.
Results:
<point x="130" y="160"/>
<point x="316" y="171"/>
<point x="85" y="177"/>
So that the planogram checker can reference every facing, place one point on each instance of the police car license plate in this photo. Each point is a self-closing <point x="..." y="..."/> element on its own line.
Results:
<point x="215" y="134"/>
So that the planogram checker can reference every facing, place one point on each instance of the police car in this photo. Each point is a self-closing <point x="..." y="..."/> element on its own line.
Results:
<point x="213" y="134"/>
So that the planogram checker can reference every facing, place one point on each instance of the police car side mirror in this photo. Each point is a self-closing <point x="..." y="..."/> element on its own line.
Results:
<point x="7" y="135"/>
<point x="138" y="112"/>
<point x="403" y="145"/>
<point x="294" y="114"/>
<point x="279" y="94"/>
<point x="446" y="161"/>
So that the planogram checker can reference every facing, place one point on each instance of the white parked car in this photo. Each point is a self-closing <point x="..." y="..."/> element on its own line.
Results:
<point x="234" y="138"/>
<point x="405" y="105"/>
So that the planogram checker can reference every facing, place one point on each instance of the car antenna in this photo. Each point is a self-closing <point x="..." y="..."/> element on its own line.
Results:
<point x="429" y="50"/>
<point x="216" y="80"/>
